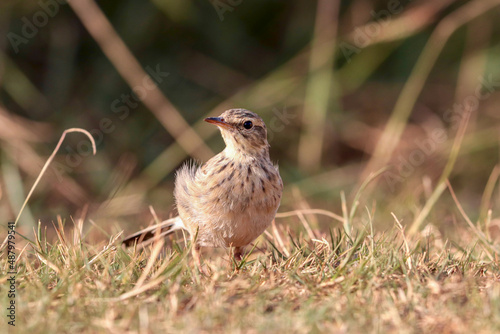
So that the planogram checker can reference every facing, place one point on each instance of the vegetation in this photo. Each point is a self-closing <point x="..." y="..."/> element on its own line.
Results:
<point x="384" y="282"/>
<point x="383" y="116"/>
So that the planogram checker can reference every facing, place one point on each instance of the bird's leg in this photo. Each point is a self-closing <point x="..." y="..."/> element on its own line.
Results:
<point x="196" y="256"/>
<point x="235" y="256"/>
<point x="238" y="253"/>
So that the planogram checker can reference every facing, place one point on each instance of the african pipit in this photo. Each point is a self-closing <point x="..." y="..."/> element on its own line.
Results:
<point x="231" y="199"/>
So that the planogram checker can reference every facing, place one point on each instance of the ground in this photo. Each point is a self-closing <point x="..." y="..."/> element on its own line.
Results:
<point x="343" y="281"/>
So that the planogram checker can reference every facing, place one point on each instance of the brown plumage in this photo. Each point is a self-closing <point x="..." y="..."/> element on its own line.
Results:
<point x="233" y="197"/>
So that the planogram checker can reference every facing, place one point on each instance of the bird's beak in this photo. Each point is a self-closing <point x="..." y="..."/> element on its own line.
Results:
<point x="218" y="121"/>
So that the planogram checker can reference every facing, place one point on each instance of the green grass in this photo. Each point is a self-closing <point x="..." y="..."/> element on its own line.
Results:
<point x="386" y="283"/>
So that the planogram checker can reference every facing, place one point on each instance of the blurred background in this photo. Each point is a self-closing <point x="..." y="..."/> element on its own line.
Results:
<point x="346" y="88"/>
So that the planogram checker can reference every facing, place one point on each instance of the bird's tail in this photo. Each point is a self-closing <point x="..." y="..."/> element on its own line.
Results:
<point x="154" y="232"/>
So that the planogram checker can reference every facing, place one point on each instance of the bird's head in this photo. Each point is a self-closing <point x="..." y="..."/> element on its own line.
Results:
<point x="242" y="130"/>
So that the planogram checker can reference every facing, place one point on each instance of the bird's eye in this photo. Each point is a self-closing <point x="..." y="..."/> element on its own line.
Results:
<point x="248" y="125"/>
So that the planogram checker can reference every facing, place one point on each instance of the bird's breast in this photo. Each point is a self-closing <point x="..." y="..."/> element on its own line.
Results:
<point x="242" y="201"/>
<point x="247" y="186"/>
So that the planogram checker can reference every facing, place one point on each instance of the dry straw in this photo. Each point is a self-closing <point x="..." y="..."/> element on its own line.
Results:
<point x="46" y="166"/>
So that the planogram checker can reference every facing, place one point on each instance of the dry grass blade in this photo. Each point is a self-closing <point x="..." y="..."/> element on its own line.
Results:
<point x="474" y="228"/>
<point x="347" y="223"/>
<point x="44" y="169"/>
<point x="60" y="236"/>
<point x="109" y="247"/>
<point x="129" y="68"/>
<point x="408" y="24"/>
<point x="488" y="193"/>
<point x="321" y="79"/>
<point x="457" y="143"/>
<point x="310" y="212"/>
<point x="306" y="226"/>
<point x="48" y="263"/>
<point x="415" y="83"/>
<point x="157" y="247"/>
<point x="143" y="288"/>
<point x="78" y="230"/>
<point x="407" y="247"/>
<point x="363" y="186"/>
<point x="277" y="236"/>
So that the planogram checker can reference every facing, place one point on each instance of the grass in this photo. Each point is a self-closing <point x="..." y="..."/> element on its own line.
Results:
<point x="384" y="282"/>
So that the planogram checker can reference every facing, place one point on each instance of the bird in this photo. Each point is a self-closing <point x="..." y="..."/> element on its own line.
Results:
<point x="231" y="199"/>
